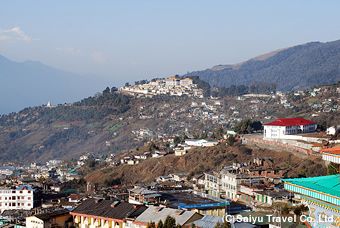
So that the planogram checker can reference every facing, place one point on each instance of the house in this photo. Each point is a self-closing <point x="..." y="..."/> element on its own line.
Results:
<point x="179" y="151"/>
<point x="283" y="127"/>
<point x="269" y="197"/>
<point x="180" y="176"/>
<point x="58" y="218"/>
<point x="140" y="195"/>
<point x="200" y="142"/>
<point x="156" y="213"/>
<point x="94" y="213"/>
<point x="332" y="130"/>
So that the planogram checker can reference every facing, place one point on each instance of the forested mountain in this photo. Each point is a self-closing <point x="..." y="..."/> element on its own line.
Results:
<point x="292" y="68"/>
<point x="30" y="83"/>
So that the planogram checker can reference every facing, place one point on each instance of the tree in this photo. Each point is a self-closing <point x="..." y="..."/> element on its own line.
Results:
<point x="230" y="140"/>
<point x="224" y="225"/>
<point x="127" y="84"/>
<point x="114" y="89"/>
<point x="332" y="168"/>
<point x="169" y="222"/>
<point x="285" y="210"/>
<point x="160" y="224"/>
<point x="219" y="133"/>
<point x="298" y="211"/>
<point x="193" y="225"/>
<point x="177" y="140"/>
<point x="106" y="91"/>
<point x="151" y="225"/>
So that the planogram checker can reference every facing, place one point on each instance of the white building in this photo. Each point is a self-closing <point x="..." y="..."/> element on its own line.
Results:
<point x="283" y="127"/>
<point x="332" y="130"/>
<point x="200" y="142"/>
<point x="13" y="199"/>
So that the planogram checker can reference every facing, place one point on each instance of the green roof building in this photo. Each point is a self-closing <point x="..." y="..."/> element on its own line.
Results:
<point x="320" y="194"/>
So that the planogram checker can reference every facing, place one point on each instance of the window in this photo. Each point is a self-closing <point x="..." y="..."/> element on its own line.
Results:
<point x="29" y="191"/>
<point x="29" y="198"/>
<point x="29" y="204"/>
<point x="20" y="191"/>
<point x="13" y="191"/>
<point x="13" y="198"/>
<point x="13" y="204"/>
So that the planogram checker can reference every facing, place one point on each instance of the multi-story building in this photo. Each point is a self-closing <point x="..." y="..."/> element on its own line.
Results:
<point x="19" y="198"/>
<point x="283" y="127"/>
<point x="227" y="183"/>
<point x="212" y="183"/>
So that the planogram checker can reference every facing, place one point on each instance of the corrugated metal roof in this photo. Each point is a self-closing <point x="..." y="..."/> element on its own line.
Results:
<point x="156" y="213"/>
<point x="103" y="209"/>
<point x="208" y="221"/>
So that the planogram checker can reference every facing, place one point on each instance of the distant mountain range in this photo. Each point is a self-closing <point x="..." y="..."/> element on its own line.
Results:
<point x="29" y="83"/>
<point x="293" y="68"/>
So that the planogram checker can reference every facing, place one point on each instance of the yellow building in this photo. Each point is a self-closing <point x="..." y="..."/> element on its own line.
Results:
<point x="59" y="218"/>
<point x="94" y="213"/>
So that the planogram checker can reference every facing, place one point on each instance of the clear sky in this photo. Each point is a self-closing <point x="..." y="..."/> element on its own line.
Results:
<point x="140" y="39"/>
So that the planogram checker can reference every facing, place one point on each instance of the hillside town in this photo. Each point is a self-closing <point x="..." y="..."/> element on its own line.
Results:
<point x="56" y="194"/>
<point x="38" y="195"/>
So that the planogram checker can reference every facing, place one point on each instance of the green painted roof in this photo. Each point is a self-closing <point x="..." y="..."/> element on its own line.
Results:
<point x="325" y="184"/>
<point x="73" y="171"/>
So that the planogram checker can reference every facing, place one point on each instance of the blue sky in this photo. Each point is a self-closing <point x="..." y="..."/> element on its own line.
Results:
<point x="133" y="40"/>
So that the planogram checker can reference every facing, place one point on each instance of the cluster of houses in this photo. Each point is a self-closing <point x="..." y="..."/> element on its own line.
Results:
<point x="34" y="172"/>
<point x="172" y="86"/>
<point x="257" y="181"/>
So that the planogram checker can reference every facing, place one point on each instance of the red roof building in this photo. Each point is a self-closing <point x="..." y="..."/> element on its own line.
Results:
<point x="290" y="122"/>
<point x="283" y="127"/>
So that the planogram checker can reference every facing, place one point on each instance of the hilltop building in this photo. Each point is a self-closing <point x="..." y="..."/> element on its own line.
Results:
<point x="172" y="86"/>
<point x="284" y="128"/>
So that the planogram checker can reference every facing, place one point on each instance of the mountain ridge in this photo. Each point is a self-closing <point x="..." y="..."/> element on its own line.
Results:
<point x="300" y="66"/>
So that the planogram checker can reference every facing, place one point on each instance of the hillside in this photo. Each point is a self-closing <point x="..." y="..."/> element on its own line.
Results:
<point x="113" y="123"/>
<point x="199" y="160"/>
<point x="30" y="83"/>
<point x="293" y="68"/>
